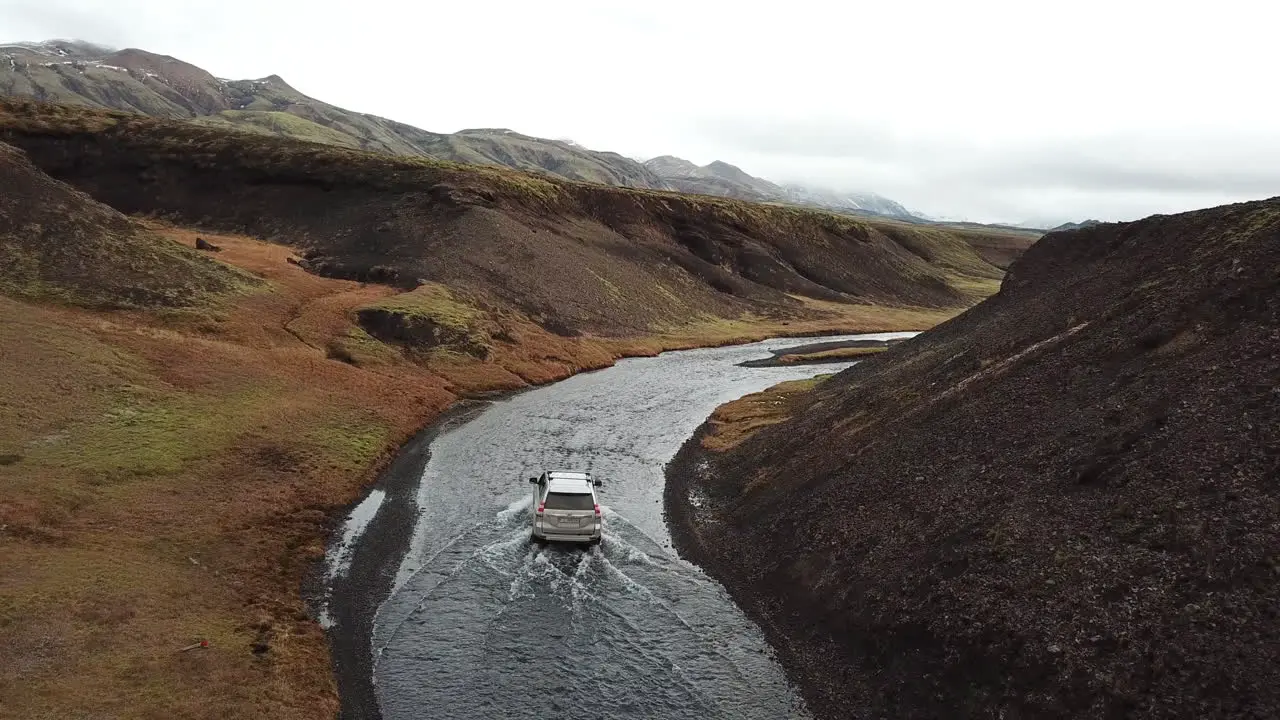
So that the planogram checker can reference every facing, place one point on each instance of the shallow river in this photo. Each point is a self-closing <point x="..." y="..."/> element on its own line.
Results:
<point x="483" y="624"/>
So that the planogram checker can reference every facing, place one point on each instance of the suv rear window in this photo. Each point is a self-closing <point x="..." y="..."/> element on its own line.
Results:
<point x="569" y="501"/>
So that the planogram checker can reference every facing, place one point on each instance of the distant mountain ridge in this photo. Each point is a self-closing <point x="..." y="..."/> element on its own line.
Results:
<point x="1054" y="224"/>
<point x="717" y="178"/>
<point x="75" y="72"/>
<point x="721" y="178"/>
<point x="1075" y="225"/>
<point x="83" y="73"/>
<point x="846" y="201"/>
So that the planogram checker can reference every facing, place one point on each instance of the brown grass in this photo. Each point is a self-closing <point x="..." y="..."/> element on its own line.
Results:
<point x="831" y="355"/>
<point x="169" y="475"/>
<point x="736" y="421"/>
<point x="174" y="478"/>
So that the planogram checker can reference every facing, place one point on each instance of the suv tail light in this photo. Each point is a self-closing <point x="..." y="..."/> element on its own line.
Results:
<point x="597" y="509"/>
<point x="541" y="507"/>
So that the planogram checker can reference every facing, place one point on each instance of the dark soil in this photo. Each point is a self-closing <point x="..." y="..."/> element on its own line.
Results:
<point x="777" y="355"/>
<point x="56" y="243"/>
<point x="1062" y="503"/>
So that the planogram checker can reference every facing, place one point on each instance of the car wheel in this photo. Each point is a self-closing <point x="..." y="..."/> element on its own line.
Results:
<point x="537" y="540"/>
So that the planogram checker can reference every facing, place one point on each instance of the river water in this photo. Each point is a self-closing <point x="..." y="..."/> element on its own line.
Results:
<point x="483" y="624"/>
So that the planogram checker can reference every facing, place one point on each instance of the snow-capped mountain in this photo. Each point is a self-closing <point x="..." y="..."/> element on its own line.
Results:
<point x="721" y="178"/>
<point x="848" y="201"/>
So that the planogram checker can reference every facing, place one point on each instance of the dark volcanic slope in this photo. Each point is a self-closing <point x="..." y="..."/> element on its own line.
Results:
<point x="58" y="243"/>
<point x="1062" y="503"/>
<point x="577" y="255"/>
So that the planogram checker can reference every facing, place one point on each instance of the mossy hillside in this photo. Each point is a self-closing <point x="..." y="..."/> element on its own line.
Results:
<point x="131" y="269"/>
<point x="502" y="148"/>
<point x="256" y="105"/>
<point x="126" y="508"/>
<point x="56" y="244"/>
<point x="948" y="259"/>
<point x="84" y="85"/>
<point x="279" y="123"/>
<point x="346" y="128"/>
<point x="145" y="432"/>
<point x="353" y="441"/>
<point x="429" y="318"/>
<point x="33" y="385"/>
<point x="938" y="247"/>
<point x="359" y="348"/>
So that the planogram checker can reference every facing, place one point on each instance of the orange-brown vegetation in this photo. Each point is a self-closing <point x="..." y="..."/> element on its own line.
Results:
<point x="171" y="477"/>
<point x="736" y="421"/>
<point x="172" y="481"/>
<point x="178" y="429"/>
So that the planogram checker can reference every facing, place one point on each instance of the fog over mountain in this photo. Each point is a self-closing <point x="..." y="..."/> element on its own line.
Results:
<point x="1093" y="110"/>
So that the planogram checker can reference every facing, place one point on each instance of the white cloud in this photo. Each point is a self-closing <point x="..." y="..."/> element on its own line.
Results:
<point x="988" y="109"/>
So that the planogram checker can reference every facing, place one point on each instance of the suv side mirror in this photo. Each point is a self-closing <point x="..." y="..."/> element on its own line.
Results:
<point x="598" y="483"/>
<point x="533" y="480"/>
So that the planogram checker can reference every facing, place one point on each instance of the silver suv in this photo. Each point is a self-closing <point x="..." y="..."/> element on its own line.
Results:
<point x="566" y="508"/>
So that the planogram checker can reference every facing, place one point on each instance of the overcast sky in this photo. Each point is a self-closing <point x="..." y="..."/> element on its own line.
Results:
<point x="983" y="110"/>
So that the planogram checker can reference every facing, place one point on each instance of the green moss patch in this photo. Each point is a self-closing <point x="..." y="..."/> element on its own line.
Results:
<point x="279" y="123"/>
<point x="144" y="432"/>
<point x="429" y="318"/>
<point x="352" y="442"/>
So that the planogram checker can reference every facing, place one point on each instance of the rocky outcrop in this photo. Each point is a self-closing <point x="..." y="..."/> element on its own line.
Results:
<point x="420" y="332"/>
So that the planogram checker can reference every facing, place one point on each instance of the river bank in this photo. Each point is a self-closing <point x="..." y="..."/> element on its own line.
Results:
<point x="345" y="599"/>
<point x="500" y="439"/>
<point x="692" y="497"/>
<point x="171" y="477"/>
<point x="1061" y="504"/>
<point x="828" y="352"/>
